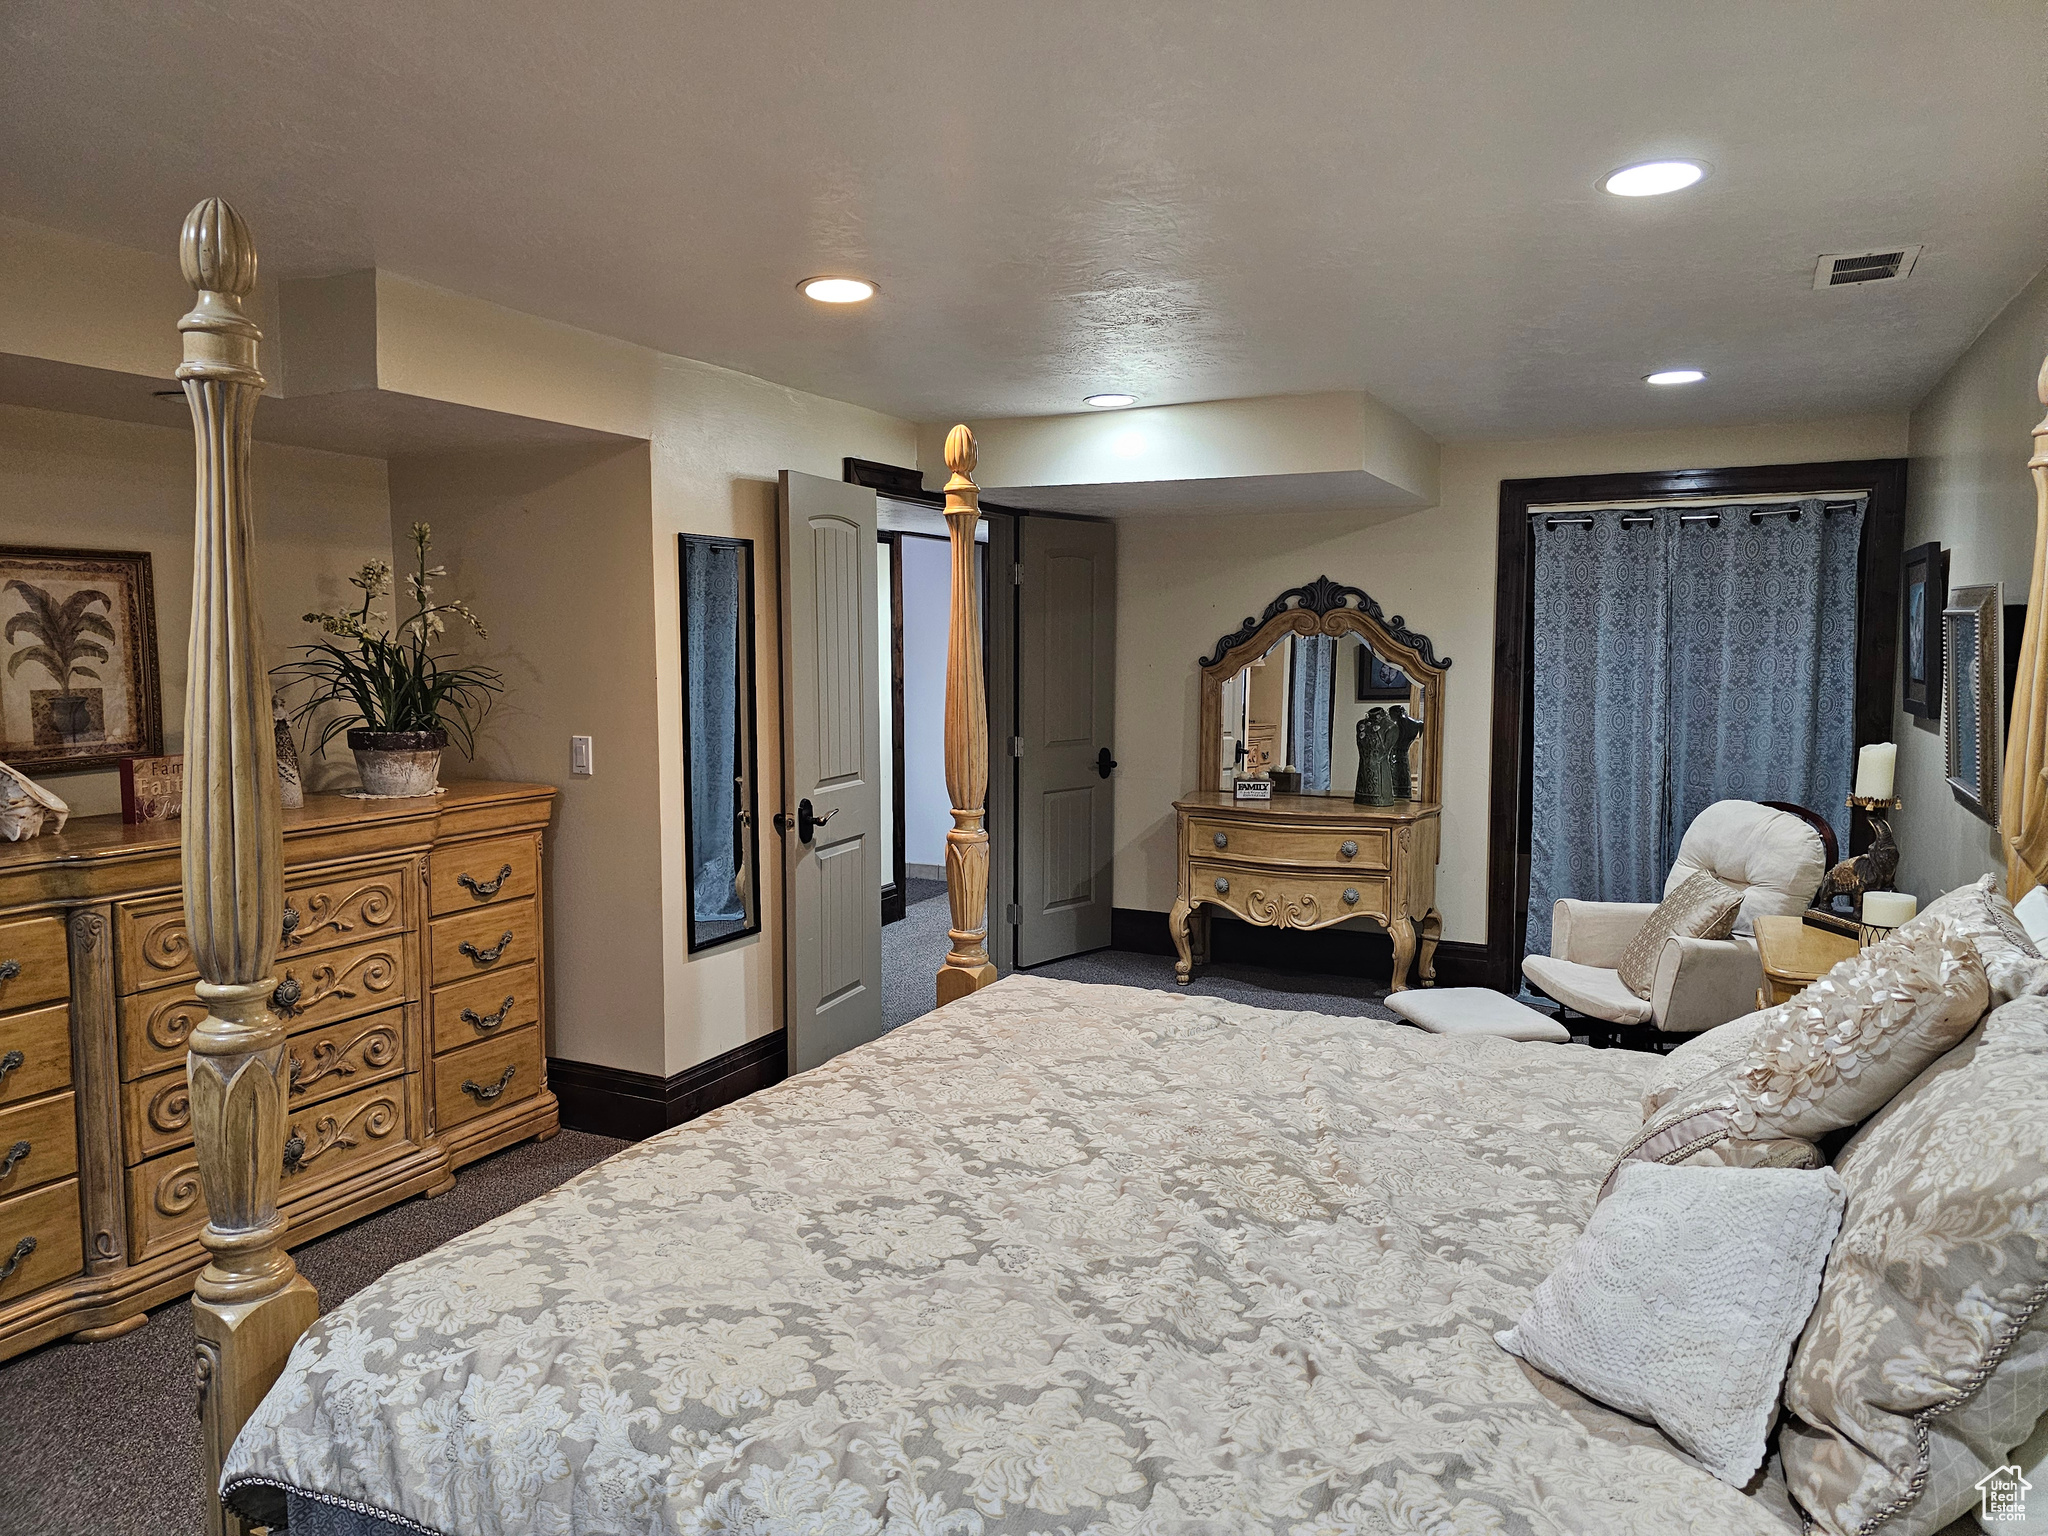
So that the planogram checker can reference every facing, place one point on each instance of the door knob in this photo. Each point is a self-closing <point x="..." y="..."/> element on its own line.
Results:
<point x="1104" y="763"/>
<point x="808" y="821"/>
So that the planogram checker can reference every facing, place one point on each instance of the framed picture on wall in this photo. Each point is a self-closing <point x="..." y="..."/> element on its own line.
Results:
<point x="1379" y="678"/>
<point x="79" y="687"/>
<point x="1973" y="673"/>
<point x="1926" y="594"/>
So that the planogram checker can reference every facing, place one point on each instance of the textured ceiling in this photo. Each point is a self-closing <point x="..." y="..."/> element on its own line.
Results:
<point x="1186" y="200"/>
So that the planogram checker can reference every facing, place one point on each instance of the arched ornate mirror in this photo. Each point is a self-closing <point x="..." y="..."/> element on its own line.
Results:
<point x="1291" y="690"/>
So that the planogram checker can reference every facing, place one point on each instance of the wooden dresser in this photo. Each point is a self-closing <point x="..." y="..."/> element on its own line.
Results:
<point x="1308" y="861"/>
<point x="409" y="973"/>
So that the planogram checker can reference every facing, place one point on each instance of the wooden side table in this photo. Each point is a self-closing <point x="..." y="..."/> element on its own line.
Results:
<point x="1794" y="956"/>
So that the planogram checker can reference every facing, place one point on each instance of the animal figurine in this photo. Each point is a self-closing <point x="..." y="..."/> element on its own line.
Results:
<point x="1377" y="735"/>
<point x="1871" y="870"/>
<point x="1407" y="729"/>
<point x="26" y="808"/>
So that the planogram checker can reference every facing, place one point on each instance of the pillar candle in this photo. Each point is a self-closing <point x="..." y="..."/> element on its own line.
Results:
<point x="1888" y="909"/>
<point x="1875" y="765"/>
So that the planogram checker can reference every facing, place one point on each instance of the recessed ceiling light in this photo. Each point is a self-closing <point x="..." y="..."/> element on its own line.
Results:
<point x="1654" y="178"/>
<point x="1108" y="402"/>
<point x="837" y="290"/>
<point x="1674" y="376"/>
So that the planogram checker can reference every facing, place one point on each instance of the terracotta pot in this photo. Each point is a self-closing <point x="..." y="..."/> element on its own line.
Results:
<point x="398" y="765"/>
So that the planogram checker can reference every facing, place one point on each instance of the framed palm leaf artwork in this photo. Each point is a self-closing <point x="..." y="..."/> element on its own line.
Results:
<point x="78" y="667"/>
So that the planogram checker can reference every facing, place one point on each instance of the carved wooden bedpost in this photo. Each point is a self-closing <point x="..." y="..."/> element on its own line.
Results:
<point x="2023" y="803"/>
<point x="967" y="968"/>
<point x="251" y="1303"/>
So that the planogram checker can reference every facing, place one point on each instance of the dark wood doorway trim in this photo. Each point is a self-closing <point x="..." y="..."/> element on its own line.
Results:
<point x="1877" y="642"/>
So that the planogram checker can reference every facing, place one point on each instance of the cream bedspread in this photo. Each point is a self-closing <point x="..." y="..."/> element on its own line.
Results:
<point x="1056" y="1258"/>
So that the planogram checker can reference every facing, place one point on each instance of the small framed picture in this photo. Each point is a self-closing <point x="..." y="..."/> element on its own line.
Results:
<point x="1973" y="675"/>
<point x="1379" y="678"/>
<point x="78" y="631"/>
<point x="1925" y="587"/>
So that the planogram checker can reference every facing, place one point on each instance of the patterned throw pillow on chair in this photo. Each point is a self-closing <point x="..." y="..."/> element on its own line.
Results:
<point x="1701" y="908"/>
<point x="1829" y="1058"/>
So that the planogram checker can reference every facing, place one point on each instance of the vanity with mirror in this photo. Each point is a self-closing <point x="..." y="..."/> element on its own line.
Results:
<point x="1340" y="708"/>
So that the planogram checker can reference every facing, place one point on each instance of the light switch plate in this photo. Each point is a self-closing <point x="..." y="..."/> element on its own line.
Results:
<point x="579" y="755"/>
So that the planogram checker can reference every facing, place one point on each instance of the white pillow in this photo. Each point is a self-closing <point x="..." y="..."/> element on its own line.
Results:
<point x="1682" y="1300"/>
<point x="2030" y="1488"/>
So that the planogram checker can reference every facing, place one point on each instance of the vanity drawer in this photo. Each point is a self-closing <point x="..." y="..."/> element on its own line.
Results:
<point x="486" y="1076"/>
<point x="34" y="964"/>
<point x="1286" y="900"/>
<point x="319" y="914"/>
<point x="343" y="1136"/>
<point x="464" y="876"/>
<point x="35" y="1054"/>
<point x="311" y="990"/>
<point x="497" y="938"/>
<point x="323" y="1061"/>
<point x="1243" y="839"/>
<point x="49" y="1129"/>
<point x="40" y="1241"/>
<point x="485" y="1006"/>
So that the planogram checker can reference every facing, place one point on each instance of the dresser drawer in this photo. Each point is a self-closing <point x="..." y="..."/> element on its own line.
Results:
<point x="34" y="963"/>
<point x="1282" y="899"/>
<point x="48" y="1129"/>
<point x="311" y="989"/>
<point x="40" y="1241"/>
<point x="495" y="939"/>
<point x="465" y="876"/>
<point x="1372" y="847"/>
<point x="342" y="1136"/>
<point x="35" y="1054"/>
<point x="323" y="1060"/>
<point x="319" y="914"/>
<point x="486" y="1076"/>
<point x="497" y="1004"/>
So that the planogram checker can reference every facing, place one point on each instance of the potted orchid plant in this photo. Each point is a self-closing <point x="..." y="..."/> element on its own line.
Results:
<point x="401" y="700"/>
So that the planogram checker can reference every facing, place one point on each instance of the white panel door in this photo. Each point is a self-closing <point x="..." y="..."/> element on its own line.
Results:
<point x="831" y="820"/>
<point x="1066" y="673"/>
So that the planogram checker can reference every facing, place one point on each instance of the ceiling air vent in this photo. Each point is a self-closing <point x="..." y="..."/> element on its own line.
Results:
<point x="1840" y="271"/>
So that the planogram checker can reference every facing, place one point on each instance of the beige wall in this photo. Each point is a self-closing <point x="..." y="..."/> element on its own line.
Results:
<point x="1184" y="580"/>
<point x="1968" y="489"/>
<point x="549" y="547"/>
<point x="84" y="482"/>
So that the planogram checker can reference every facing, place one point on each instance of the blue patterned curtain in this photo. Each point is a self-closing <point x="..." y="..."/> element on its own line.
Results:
<point x="1763" y="663"/>
<point x="712" y="639"/>
<point x="1600" y="684"/>
<point x="1315" y="657"/>
<point x="1679" y="663"/>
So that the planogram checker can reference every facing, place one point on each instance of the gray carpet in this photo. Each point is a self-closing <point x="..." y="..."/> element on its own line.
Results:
<point x="102" y="1437"/>
<point x="913" y="949"/>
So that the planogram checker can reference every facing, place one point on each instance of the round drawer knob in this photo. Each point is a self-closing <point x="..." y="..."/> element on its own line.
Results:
<point x="1349" y="849"/>
<point x="1222" y="841"/>
<point x="1222" y="886"/>
<point x="1350" y="897"/>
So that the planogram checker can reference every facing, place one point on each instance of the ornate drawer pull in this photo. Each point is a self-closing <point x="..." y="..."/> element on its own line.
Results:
<point x="1349" y="849"/>
<point x="9" y="969"/>
<point x="1350" y="897"/>
<point x="1222" y="841"/>
<point x="486" y="1022"/>
<point x="489" y="956"/>
<point x="14" y="1155"/>
<point x="11" y="1062"/>
<point x="290" y="923"/>
<point x="484" y="890"/>
<point x="22" y="1250"/>
<point x="294" y="1152"/>
<point x="1222" y="886"/>
<point x="485" y="1095"/>
<point x="285" y="996"/>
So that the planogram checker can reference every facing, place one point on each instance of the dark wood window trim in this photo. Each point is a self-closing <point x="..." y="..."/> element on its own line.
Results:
<point x="1877" y="642"/>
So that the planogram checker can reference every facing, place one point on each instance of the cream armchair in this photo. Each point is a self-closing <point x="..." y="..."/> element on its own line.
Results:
<point x="1774" y="854"/>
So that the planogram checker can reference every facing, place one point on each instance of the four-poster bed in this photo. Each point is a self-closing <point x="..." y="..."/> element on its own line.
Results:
<point x="1054" y="1256"/>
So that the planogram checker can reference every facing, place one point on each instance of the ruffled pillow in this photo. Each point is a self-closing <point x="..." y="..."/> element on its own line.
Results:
<point x="1980" y="913"/>
<point x="1829" y="1058"/>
